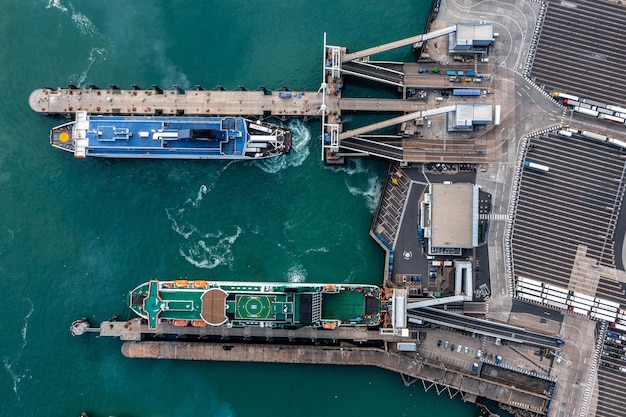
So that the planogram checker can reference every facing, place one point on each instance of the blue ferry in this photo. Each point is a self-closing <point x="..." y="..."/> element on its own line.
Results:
<point x="170" y="137"/>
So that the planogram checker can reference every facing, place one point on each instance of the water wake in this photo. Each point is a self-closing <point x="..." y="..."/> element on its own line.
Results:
<point x="26" y="320"/>
<point x="203" y="249"/>
<point x="14" y="377"/>
<point x="81" y="22"/>
<point x="84" y="25"/>
<point x="356" y="173"/>
<point x="371" y="192"/>
<point x="296" y="273"/>
<point x="94" y="55"/>
<point x="211" y="250"/>
<point x="56" y="4"/>
<point x="313" y="250"/>
<point x="176" y="215"/>
<point x="201" y="193"/>
<point x="301" y="136"/>
<point x="353" y="166"/>
<point x="9" y="365"/>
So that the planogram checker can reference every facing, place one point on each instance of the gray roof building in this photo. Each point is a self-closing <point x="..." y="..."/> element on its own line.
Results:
<point x="453" y="215"/>
<point x="468" y="115"/>
<point x="470" y="38"/>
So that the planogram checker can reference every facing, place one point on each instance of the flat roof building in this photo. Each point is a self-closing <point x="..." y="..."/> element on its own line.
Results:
<point x="470" y="38"/>
<point x="466" y="116"/>
<point x="453" y="214"/>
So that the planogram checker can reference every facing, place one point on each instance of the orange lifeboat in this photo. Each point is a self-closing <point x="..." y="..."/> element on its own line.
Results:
<point x="330" y="287"/>
<point x="200" y="284"/>
<point x="198" y="323"/>
<point x="329" y="326"/>
<point x="181" y="323"/>
<point x="181" y="283"/>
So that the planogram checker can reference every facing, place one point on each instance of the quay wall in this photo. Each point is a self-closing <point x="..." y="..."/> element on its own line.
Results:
<point x="469" y="385"/>
<point x="176" y="102"/>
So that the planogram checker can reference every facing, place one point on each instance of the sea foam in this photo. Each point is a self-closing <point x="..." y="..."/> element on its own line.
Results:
<point x="371" y="193"/>
<point x="203" y="249"/>
<point x="211" y="250"/>
<point x="296" y="273"/>
<point x="26" y="320"/>
<point x="301" y="136"/>
<point x="56" y="4"/>
<point x="96" y="54"/>
<point x="81" y="21"/>
<point x="360" y="181"/>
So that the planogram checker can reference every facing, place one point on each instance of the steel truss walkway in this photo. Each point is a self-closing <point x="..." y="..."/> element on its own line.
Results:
<point x="373" y="72"/>
<point x="396" y="120"/>
<point x="372" y="145"/>
<point x="398" y="44"/>
<point x="355" y="140"/>
<point x="337" y="62"/>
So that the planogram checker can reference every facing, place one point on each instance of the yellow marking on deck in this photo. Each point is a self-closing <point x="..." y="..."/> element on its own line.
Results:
<point x="64" y="137"/>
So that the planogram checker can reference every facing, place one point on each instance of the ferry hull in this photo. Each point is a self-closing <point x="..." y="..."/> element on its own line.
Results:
<point x="138" y="137"/>
<point x="240" y="304"/>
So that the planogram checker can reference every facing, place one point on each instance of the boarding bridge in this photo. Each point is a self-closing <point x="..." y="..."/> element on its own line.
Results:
<point x="396" y="120"/>
<point x="373" y="72"/>
<point x="356" y="140"/>
<point x="399" y="44"/>
<point x="337" y="63"/>
<point x="373" y="145"/>
<point x="429" y="302"/>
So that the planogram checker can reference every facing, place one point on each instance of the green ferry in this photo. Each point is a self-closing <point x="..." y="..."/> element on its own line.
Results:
<point x="265" y="304"/>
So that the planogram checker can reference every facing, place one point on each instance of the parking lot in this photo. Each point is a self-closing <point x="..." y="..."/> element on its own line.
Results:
<point x="612" y="375"/>
<point x="460" y="350"/>
<point x="568" y="210"/>
<point x="580" y="50"/>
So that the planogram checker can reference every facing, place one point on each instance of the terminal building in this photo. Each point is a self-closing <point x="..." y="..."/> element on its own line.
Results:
<point x="466" y="116"/>
<point x="470" y="38"/>
<point x="449" y="218"/>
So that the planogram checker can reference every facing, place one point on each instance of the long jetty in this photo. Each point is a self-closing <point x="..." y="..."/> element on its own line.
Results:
<point x="532" y="394"/>
<point x="207" y="103"/>
<point x="342" y="346"/>
<point x="176" y="102"/>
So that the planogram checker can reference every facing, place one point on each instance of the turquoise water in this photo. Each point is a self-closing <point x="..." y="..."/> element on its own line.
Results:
<point x="76" y="235"/>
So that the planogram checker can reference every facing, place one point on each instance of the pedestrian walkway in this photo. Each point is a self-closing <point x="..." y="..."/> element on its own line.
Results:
<point x="494" y="217"/>
<point x="393" y="198"/>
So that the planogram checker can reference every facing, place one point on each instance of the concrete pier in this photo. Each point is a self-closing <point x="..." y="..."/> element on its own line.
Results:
<point x="528" y="393"/>
<point x="176" y="102"/>
<point x="208" y="103"/>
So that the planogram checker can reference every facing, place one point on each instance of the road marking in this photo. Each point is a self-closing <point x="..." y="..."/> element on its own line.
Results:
<point x="493" y="216"/>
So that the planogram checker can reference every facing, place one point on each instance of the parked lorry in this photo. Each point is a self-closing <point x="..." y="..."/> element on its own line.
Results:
<point x="534" y="165"/>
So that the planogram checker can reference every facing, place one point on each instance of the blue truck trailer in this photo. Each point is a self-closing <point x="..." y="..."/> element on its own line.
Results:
<point x="459" y="92"/>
